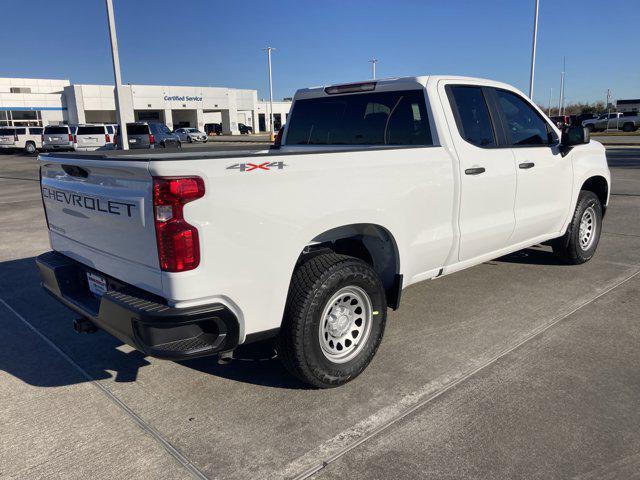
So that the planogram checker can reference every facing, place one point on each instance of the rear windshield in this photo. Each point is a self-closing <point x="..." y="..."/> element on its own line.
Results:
<point x="137" y="129"/>
<point x="7" y="131"/>
<point x="380" y="118"/>
<point x="55" y="130"/>
<point x="90" y="131"/>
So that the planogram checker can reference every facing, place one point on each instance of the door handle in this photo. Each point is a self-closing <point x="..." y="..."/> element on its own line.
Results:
<point x="526" y="165"/>
<point x="474" y="171"/>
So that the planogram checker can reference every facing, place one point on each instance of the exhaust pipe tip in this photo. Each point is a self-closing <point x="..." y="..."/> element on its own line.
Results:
<point x="225" y="358"/>
<point x="83" y="325"/>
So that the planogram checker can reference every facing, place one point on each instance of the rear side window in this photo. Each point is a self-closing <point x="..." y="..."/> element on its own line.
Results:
<point x="380" y="118"/>
<point x="109" y="129"/>
<point x="523" y="124"/>
<point x="90" y="131"/>
<point x="472" y="115"/>
<point x="137" y="129"/>
<point x="56" y="130"/>
<point x="35" y="131"/>
<point x="21" y="131"/>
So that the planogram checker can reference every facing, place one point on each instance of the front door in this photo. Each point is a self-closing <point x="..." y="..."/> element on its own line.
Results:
<point x="487" y="170"/>
<point x="544" y="176"/>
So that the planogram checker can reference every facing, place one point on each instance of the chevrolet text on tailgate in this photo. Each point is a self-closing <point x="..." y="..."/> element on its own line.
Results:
<point x="376" y="186"/>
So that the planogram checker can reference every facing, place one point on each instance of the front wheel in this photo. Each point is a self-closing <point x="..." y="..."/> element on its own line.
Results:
<point x="334" y="320"/>
<point x="579" y="244"/>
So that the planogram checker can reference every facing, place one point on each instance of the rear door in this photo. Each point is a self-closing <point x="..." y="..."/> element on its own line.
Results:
<point x="91" y="136"/>
<point x="57" y="135"/>
<point x="100" y="212"/>
<point x="488" y="176"/>
<point x="7" y="136"/>
<point x="138" y="134"/>
<point x="544" y="176"/>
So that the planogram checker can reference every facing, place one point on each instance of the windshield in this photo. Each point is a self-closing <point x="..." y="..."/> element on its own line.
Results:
<point x="56" y="130"/>
<point x="193" y="130"/>
<point x="90" y="130"/>
<point x="379" y="118"/>
<point x="137" y="129"/>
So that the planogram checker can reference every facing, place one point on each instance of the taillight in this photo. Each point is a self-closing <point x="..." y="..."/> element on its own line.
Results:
<point x="152" y="139"/>
<point x="107" y="138"/>
<point x="71" y="139"/>
<point x="115" y="138"/>
<point x="178" y="243"/>
<point x="74" y="138"/>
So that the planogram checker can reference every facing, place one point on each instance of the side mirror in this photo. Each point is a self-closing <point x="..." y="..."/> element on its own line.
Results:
<point x="574" y="135"/>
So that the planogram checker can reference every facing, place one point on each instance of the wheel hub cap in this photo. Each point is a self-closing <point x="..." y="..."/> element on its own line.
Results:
<point x="345" y="324"/>
<point x="586" y="234"/>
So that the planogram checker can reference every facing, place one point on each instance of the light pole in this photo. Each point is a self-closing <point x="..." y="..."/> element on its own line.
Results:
<point x="549" y="108"/>
<point x="116" y="74"/>
<point x="268" y="50"/>
<point x="373" y="62"/>
<point x="561" y="99"/>
<point x="533" y="50"/>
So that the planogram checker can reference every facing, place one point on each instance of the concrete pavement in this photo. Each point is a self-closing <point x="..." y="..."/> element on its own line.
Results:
<point x="519" y="367"/>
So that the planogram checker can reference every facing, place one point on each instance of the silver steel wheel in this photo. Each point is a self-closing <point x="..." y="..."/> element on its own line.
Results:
<point x="587" y="232"/>
<point x="345" y="324"/>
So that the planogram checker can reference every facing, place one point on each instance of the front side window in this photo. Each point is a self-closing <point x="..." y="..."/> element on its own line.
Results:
<point x="378" y="118"/>
<point x="523" y="123"/>
<point x="473" y="119"/>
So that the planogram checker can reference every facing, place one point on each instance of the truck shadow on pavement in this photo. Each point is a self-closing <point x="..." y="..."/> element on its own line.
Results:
<point x="538" y="255"/>
<point x="27" y="356"/>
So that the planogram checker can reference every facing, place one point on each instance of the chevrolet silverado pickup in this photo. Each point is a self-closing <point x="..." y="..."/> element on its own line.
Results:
<point x="375" y="186"/>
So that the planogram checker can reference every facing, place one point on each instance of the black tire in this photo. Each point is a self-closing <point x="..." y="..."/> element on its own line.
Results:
<point x="30" y="148"/>
<point x="628" y="127"/>
<point x="189" y="139"/>
<point x="568" y="248"/>
<point x="313" y="285"/>
<point x="591" y="127"/>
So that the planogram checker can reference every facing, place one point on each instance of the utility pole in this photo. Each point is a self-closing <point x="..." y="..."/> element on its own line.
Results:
<point x="373" y="62"/>
<point x="533" y="50"/>
<point x="608" y="107"/>
<point x="116" y="74"/>
<point x="550" y="95"/>
<point x="561" y="99"/>
<point x="269" y="50"/>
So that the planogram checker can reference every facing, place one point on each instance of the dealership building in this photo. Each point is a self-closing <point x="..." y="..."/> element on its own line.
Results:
<point x="28" y="101"/>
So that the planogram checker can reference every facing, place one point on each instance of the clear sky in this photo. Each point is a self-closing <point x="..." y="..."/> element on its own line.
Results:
<point x="219" y="43"/>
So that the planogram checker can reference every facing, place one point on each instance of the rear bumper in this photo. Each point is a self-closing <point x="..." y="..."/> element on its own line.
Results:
<point x="139" y="318"/>
<point x="67" y="146"/>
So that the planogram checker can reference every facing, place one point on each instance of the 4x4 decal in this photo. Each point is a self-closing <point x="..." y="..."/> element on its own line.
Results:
<point x="248" y="167"/>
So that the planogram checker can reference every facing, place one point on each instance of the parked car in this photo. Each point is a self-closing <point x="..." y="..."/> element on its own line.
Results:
<point x="92" y="137"/>
<point x="182" y="257"/>
<point x="27" y="139"/>
<point x="578" y="119"/>
<point x="150" y="135"/>
<point x="213" y="128"/>
<point x="603" y="122"/>
<point x="190" y="135"/>
<point x="58" y="137"/>
<point x="244" y="129"/>
<point x="561" y="121"/>
<point x="629" y="122"/>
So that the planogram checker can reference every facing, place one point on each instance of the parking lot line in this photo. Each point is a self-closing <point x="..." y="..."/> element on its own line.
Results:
<point x="174" y="452"/>
<point x="305" y="467"/>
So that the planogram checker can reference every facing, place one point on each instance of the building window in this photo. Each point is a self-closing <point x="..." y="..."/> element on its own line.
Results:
<point x="20" y="89"/>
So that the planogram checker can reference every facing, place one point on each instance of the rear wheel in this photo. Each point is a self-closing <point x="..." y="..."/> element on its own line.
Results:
<point x="591" y="127"/>
<point x="628" y="127"/>
<point x="30" y="148"/>
<point x="334" y="320"/>
<point x="579" y="244"/>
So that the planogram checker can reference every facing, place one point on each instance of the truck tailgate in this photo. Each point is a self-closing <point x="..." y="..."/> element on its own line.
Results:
<point x="100" y="212"/>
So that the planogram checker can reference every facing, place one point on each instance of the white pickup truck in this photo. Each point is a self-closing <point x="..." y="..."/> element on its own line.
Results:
<point x="376" y="186"/>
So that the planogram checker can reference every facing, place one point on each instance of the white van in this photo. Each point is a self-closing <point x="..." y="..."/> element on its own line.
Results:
<point x="28" y="139"/>
<point x="92" y="137"/>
